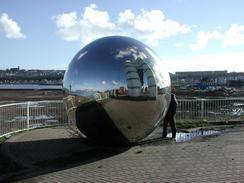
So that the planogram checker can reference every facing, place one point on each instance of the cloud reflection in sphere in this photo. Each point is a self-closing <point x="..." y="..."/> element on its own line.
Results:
<point x="117" y="90"/>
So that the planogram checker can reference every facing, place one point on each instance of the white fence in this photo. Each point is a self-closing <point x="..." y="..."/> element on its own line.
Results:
<point x="211" y="110"/>
<point x="23" y="116"/>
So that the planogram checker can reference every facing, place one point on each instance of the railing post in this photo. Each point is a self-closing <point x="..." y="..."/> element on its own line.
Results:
<point x="28" y="115"/>
<point x="202" y="109"/>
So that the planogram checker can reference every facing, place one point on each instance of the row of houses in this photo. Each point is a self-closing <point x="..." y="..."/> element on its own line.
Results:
<point x="22" y="76"/>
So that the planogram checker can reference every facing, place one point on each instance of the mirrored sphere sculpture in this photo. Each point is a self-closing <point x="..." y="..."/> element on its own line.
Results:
<point x="117" y="90"/>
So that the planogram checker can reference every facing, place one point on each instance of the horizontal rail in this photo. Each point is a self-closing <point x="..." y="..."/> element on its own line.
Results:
<point x="43" y="101"/>
<point x="22" y="116"/>
<point x="210" y="110"/>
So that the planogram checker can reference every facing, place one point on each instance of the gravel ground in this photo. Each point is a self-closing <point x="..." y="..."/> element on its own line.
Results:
<point x="12" y="96"/>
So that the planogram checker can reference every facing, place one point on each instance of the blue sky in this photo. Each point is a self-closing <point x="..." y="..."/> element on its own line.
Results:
<point x="187" y="34"/>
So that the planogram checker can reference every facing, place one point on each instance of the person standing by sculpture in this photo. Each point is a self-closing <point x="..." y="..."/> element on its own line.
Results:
<point x="170" y="117"/>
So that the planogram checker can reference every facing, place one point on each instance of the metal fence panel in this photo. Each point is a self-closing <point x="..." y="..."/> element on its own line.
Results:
<point x="46" y="113"/>
<point x="229" y="109"/>
<point x="23" y="116"/>
<point x="12" y="117"/>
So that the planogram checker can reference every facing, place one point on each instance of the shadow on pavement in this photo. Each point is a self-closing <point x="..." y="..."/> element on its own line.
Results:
<point x="46" y="156"/>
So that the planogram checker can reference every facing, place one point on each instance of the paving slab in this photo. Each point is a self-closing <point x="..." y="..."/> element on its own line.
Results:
<point x="56" y="155"/>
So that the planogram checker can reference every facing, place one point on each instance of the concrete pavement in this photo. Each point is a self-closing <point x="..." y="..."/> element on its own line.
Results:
<point x="56" y="155"/>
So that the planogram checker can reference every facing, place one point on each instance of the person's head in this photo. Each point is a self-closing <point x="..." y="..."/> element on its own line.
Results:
<point x="173" y="89"/>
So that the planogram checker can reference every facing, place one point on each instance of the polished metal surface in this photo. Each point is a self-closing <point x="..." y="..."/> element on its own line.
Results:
<point x="116" y="89"/>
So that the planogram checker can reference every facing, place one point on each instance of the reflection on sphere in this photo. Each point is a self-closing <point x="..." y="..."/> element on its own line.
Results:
<point x="117" y="90"/>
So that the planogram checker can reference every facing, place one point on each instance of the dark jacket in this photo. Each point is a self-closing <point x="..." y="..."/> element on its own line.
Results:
<point x="172" y="105"/>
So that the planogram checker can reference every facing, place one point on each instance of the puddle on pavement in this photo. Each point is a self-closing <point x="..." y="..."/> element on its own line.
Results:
<point x="182" y="136"/>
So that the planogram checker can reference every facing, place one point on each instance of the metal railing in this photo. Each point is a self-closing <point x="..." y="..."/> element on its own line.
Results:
<point x="28" y="115"/>
<point x="211" y="110"/>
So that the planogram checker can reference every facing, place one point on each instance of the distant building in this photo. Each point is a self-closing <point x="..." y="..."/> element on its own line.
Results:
<point x="201" y="74"/>
<point x="207" y="79"/>
<point x="14" y="69"/>
<point x="236" y="83"/>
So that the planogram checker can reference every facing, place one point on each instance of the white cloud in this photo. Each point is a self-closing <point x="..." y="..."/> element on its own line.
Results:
<point x="203" y="38"/>
<point x="91" y="25"/>
<point x="69" y="27"/>
<point x="99" y="19"/>
<point x="150" y="26"/>
<point x="10" y="27"/>
<point x="82" y="55"/>
<point x="104" y="82"/>
<point x="121" y="53"/>
<point x="115" y="83"/>
<point x="126" y="17"/>
<point x="234" y="36"/>
<point x="124" y="53"/>
<point x="179" y="44"/>
<point x="66" y="20"/>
